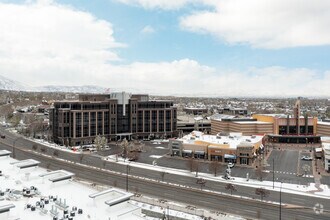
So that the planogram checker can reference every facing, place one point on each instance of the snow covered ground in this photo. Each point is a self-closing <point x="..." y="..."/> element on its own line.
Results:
<point x="286" y="187"/>
<point x="71" y="193"/>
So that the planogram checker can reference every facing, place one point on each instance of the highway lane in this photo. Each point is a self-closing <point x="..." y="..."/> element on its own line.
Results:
<point x="94" y="160"/>
<point x="249" y="208"/>
<point x="183" y="180"/>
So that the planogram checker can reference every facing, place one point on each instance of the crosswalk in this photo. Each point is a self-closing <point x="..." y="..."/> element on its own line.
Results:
<point x="289" y="173"/>
<point x="284" y="172"/>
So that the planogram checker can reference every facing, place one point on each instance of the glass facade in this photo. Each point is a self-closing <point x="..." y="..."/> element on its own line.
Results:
<point x="80" y="122"/>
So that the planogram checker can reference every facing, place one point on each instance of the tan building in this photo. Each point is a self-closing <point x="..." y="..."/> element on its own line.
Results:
<point x="246" y="126"/>
<point x="233" y="148"/>
<point x="323" y="128"/>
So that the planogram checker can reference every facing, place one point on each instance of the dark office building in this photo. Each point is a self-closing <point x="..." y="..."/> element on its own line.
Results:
<point x="115" y="116"/>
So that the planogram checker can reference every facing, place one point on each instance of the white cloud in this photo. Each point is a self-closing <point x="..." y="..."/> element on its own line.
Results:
<point x="45" y="39"/>
<point x="188" y="77"/>
<point x="159" y="4"/>
<point x="147" y="30"/>
<point x="268" y="24"/>
<point x="53" y="44"/>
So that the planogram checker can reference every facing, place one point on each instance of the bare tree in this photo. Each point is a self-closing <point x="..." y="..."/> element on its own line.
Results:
<point x="192" y="165"/>
<point x="43" y="149"/>
<point x="134" y="155"/>
<point x="306" y="168"/>
<point x="262" y="193"/>
<point x="260" y="170"/>
<point x="230" y="187"/>
<point x="15" y="119"/>
<point x="34" y="147"/>
<point x="201" y="182"/>
<point x="214" y="167"/>
<point x="56" y="153"/>
<point x="124" y="146"/>
<point x="100" y="142"/>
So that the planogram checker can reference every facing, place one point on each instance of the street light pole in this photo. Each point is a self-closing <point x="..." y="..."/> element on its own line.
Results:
<point x="273" y="173"/>
<point x="281" y="201"/>
<point x="14" y="146"/>
<point x="127" y="169"/>
<point x="127" y="178"/>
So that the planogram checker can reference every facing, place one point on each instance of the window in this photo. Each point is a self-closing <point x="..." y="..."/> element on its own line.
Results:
<point x="78" y="124"/>
<point x="161" y="121"/>
<point x="106" y="123"/>
<point x="154" y="121"/>
<point x="100" y="123"/>
<point x="147" y="121"/>
<point x="93" y="123"/>
<point x="140" y="121"/>
<point x="86" y="124"/>
<point x="113" y="125"/>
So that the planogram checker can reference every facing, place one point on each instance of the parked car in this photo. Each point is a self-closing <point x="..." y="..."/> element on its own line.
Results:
<point x="306" y="158"/>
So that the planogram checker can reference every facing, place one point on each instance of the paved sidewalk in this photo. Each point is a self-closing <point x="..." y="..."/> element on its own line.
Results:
<point x="316" y="165"/>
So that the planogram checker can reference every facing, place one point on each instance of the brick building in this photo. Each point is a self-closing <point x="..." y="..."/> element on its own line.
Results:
<point x="115" y="116"/>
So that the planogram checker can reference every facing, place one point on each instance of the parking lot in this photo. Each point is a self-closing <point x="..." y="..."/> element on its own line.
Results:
<point x="288" y="165"/>
<point x="150" y="151"/>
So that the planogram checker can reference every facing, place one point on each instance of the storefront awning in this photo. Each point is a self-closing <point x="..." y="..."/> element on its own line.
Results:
<point x="187" y="151"/>
<point x="199" y="152"/>
<point x="229" y="156"/>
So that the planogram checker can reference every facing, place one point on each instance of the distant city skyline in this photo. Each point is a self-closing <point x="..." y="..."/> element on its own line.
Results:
<point x="242" y="48"/>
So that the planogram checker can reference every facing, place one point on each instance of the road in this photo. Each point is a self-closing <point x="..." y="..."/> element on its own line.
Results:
<point x="192" y="195"/>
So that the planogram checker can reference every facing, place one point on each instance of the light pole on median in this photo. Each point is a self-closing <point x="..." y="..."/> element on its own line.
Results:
<point x="273" y="173"/>
<point x="281" y="202"/>
<point x="14" y="146"/>
<point x="127" y="170"/>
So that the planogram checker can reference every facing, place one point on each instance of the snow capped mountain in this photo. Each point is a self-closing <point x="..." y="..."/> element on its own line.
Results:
<point x="8" y="84"/>
<point x="71" y="89"/>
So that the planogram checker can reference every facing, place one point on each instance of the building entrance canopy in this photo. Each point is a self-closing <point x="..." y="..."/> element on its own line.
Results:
<point x="230" y="156"/>
<point x="199" y="152"/>
<point x="187" y="151"/>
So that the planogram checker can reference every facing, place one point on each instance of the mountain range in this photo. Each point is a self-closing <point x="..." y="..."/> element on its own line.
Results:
<point x="8" y="84"/>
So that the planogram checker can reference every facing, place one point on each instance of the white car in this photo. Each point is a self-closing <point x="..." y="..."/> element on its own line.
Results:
<point x="230" y="165"/>
<point x="306" y="158"/>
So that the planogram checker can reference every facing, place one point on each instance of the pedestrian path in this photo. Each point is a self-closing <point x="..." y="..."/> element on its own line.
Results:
<point x="289" y="173"/>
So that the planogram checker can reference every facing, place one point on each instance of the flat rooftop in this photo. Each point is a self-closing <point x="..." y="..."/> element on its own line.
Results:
<point x="323" y="123"/>
<point x="69" y="192"/>
<point x="190" y="119"/>
<point x="252" y="122"/>
<point x="280" y="115"/>
<point x="234" y="139"/>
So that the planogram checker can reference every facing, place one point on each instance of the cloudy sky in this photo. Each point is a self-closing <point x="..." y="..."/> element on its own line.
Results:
<point x="183" y="47"/>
